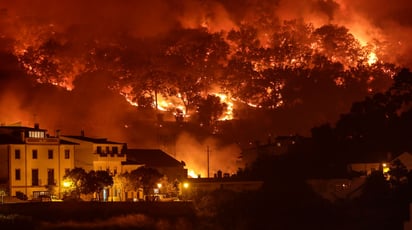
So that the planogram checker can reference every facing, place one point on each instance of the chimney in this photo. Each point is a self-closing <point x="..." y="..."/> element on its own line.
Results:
<point x="58" y="133"/>
<point x="23" y="136"/>
<point x="82" y="133"/>
<point x="36" y="125"/>
<point x="219" y="174"/>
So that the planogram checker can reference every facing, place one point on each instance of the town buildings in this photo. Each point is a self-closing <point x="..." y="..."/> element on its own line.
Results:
<point x="32" y="162"/>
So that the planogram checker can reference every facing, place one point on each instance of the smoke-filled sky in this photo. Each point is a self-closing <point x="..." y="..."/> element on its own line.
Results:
<point x="25" y="24"/>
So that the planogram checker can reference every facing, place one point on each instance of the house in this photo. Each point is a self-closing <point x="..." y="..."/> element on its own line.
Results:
<point x="157" y="159"/>
<point x="31" y="161"/>
<point x="367" y="164"/>
<point x="406" y="159"/>
<point x="350" y="185"/>
<point x="173" y="170"/>
<point x="92" y="153"/>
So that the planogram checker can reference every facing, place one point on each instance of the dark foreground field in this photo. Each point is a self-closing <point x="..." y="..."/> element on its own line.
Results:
<point x="98" y="215"/>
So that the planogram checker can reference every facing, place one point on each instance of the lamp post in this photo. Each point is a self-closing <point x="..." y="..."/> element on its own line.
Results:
<point x="185" y="190"/>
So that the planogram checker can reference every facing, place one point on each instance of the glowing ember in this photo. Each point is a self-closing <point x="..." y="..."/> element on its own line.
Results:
<point x="372" y="58"/>
<point x="228" y="115"/>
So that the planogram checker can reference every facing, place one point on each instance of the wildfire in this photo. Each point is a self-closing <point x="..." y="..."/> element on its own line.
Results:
<point x="228" y="115"/>
<point x="372" y="58"/>
<point x="191" y="173"/>
<point x="45" y="53"/>
<point x="126" y="92"/>
<point x="174" y="103"/>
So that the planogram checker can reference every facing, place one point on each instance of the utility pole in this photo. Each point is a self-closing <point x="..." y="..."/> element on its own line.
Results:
<point x="208" y="153"/>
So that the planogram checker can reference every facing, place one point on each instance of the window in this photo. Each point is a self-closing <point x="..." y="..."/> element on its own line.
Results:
<point x="99" y="149"/>
<point x="107" y="149"/>
<point x="34" y="153"/>
<point x="17" y="154"/>
<point x="115" y="150"/>
<point x="50" y="154"/>
<point x="35" y="177"/>
<point x="67" y="154"/>
<point x="36" y="134"/>
<point x="66" y="171"/>
<point x="50" y="177"/>
<point x="18" y="174"/>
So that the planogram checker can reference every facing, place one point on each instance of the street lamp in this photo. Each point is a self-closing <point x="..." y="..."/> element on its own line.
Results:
<point x="186" y="185"/>
<point x="67" y="183"/>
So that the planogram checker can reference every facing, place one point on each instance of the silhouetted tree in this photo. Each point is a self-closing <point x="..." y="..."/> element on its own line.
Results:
<point x="210" y="109"/>
<point x="76" y="177"/>
<point x="96" y="181"/>
<point x="376" y="188"/>
<point x="144" y="176"/>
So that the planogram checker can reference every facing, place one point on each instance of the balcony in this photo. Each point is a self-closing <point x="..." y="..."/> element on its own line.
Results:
<point x="39" y="141"/>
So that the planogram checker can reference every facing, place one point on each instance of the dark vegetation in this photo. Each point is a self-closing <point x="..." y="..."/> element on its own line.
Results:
<point x="374" y="127"/>
<point x="98" y="215"/>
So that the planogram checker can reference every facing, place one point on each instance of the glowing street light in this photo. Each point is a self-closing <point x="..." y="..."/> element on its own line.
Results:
<point x="67" y="184"/>
<point x="185" y="185"/>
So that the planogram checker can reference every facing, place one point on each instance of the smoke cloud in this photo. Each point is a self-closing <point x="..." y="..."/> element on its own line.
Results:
<point x="195" y="153"/>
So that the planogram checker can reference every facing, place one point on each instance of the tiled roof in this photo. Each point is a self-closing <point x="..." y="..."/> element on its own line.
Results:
<point x="152" y="158"/>
<point x="93" y="140"/>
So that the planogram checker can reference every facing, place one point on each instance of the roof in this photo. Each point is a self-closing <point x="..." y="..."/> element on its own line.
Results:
<point x="10" y="139"/>
<point x="64" y="142"/>
<point x="93" y="140"/>
<point x="20" y="128"/>
<point x="152" y="158"/>
<point x="406" y="159"/>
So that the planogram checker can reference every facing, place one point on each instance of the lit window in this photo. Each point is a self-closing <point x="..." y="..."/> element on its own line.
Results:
<point x="36" y="134"/>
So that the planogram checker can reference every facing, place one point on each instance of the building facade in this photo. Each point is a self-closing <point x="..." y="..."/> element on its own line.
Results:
<point x="100" y="154"/>
<point x="32" y="161"/>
